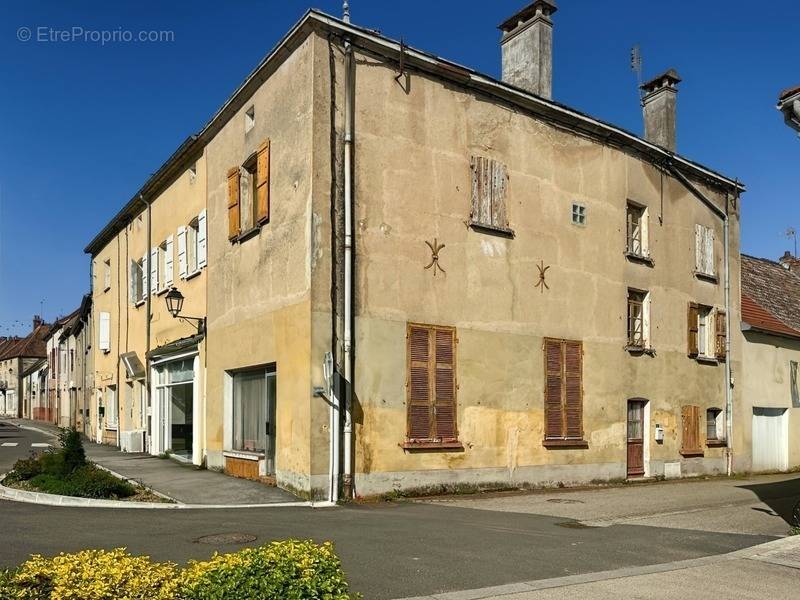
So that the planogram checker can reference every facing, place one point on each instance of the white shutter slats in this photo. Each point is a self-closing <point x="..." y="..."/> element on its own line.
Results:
<point x="168" y="262"/>
<point x="699" y="249"/>
<point x="145" y="275"/>
<point x="709" y="251"/>
<point x="104" y="341"/>
<point x="132" y="295"/>
<point x="182" y="262"/>
<point x="153" y="270"/>
<point x="202" y="251"/>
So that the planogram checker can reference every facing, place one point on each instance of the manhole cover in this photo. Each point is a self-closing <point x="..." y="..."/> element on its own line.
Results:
<point x="565" y="501"/>
<point x="219" y="539"/>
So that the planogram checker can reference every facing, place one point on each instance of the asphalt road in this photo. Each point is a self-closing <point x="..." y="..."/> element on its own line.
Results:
<point x="389" y="550"/>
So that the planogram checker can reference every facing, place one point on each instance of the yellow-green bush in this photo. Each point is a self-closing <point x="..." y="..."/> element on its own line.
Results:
<point x="289" y="570"/>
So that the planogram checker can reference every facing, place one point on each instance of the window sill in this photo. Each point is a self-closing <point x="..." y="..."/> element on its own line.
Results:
<point x="706" y="360"/>
<point x="162" y="291"/>
<point x="692" y="453"/>
<point x="246" y="235"/>
<point x="639" y="258"/>
<point x="192" y="275"/>
<point x="432" y="445"/>
<point x="563" y="443"/>
<point x="111" y="427"/>
<point x="243" y="454"/>
<point x="106" y="289"/>
<point x="706" y="277"/>
<point x="716" y="443"/>
<point x="637" y="350"/>
<point x="492" y="229"/>
<point x="138" y="303"/>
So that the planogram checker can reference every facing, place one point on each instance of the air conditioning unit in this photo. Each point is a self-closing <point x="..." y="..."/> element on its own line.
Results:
<point x="132" y="441"/>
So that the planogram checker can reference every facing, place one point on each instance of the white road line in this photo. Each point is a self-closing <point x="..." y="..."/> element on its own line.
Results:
<point x="10" y="444"/>
<point x="40" y="445"/>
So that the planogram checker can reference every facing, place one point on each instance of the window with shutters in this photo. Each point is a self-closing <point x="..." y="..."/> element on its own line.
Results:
<point x="104" y="332"/>
<point x="638" y="321"/>
<point x="431" y="403"/>
<point x="138" y="292"/>
<point x="690" y="431"/>
<point x="165" y="265"/>
<point x="704" y="252"/>
<point x="192" y="251"/>
<point x="637" y="246"/>
<point x="563" y="393"/>
<point x="248" y="195"/>
<point x="706" y="333"/>
<point x="489" y="189"/>
<point x="107" y="275"/>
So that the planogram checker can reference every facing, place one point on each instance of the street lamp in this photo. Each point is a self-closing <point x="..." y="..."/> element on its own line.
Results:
<point x="174" y="300"/>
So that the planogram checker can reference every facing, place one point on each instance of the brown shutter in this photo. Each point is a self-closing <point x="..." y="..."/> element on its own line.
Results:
<point x="444" y="409"/>
<point x="573" y="389"/>
<point x="262" y="183"/>
<point x="690" y="434"/>
<point x="233" y="202"/>
<point x="722" y="328"/>
<point x="553" y="413"/>
<point x="691" y="325"/>
<point x="419" y="382"/>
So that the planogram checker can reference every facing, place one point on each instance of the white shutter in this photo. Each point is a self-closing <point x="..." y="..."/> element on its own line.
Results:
<point x="132" y="283"/>
<point x="182" y="265"/>
<point x="153" y="270"/>
<point x="202" y="252"/>
<point x="105" y="332"/>
<point x="168" y="260"/>
<point x="145" y="275"/>
<point x="699" y="249"/>
<point x="709" y="250"/>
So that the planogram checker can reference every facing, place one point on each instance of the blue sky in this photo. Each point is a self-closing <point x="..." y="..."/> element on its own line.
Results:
<point x="84" y="124"/>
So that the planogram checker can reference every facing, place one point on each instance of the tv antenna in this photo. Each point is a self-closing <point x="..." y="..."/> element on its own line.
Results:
<point x="791" y="233"/>
<point x="636" y="67"/>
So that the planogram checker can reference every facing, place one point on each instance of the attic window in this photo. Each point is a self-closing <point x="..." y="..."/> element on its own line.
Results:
<point x="249" y="119"/>
<point x="193" y="172"/>
<point x="578" y="214"/>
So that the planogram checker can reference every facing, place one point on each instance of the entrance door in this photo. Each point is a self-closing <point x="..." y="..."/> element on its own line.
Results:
<point x="770" y="439"/>
<point x="175" y="411"/>
<point x="635" y="438"/>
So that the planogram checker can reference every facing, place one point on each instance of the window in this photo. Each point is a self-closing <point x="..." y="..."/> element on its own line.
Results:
<point x="714" y="425"/>
<point x="248" y="194"/>
<point x="563" y="393"/>
<point x="690" y="431"/>
<point x="193" y="173"/>
<point x="165" y="264"/>
<point x="104" y="333"/>
<point x="253" y="409"/>
<point x="638" y="319"/>
<point x="637" y="231"/>
<point x="192" y="254"/>
<point x="137" y="290"/>
<point x="703" y="329"/>
<point x="704" y="251"/>
<point x="154" y="262"/>
<point x="71" y="360"/>
<point x="431" y="387"/>
<point x="793" y="387"/>
<point x="112" y="410"/>
<point x="489" y="187"/>
<point x="249" y="119"/>
<point x="578" y="214"/>
<point x="107" y="275"/>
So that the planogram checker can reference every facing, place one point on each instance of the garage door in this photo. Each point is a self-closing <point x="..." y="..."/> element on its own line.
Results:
<point x="770" y="439"/>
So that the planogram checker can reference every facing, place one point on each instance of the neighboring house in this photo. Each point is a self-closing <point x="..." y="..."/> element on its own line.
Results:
<point x="34" y="390"/>
<point x="56" y="407"/>
<point x="17" y="355"/>
<point x="789" y="105"/>
<point x="510" y="292"/>
<point x="769" y="414"/>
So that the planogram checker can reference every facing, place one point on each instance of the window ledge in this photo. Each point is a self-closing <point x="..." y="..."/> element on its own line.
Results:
<point x="243" y="454"/>
<point x="640" y="350"/>
<point x="563" y="443"/>
<point x="162" y="291"/>
<point x="432" y="445"/>
<point x="716" y="443"/>
<point x="639" y="258"/>
<point x="138" y="303"/>
<point x="706" y="360"/>
<point x="192" y="275"/>
<point x="706" y="277"/>
<point x="691" y="453"/>
<point x="105" y="289"/>
<point x="492" y="229"/>
<point x="111" y="427"/>
<point x="246" y="235"/>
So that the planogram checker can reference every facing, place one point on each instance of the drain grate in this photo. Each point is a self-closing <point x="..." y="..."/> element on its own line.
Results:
<point x="219" y="539"/>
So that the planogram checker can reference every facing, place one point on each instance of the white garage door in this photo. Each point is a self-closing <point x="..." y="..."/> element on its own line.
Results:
<point x="770" y="439"/>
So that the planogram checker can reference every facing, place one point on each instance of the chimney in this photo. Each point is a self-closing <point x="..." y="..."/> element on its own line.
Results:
<point x="789" y="262"/>
<point x="37" y="320"/>
<point x="527" y="46"/>
<point x="658" y="105"/>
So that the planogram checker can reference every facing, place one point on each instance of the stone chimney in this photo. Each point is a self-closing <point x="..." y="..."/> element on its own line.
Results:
<point x="658" y="105"/>
<point x="37" y="320"/>
<point x="527" y="46"/>
<point x="789" y="262"/>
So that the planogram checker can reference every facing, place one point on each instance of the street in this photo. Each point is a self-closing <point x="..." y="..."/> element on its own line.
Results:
<point x="406" y="549"/>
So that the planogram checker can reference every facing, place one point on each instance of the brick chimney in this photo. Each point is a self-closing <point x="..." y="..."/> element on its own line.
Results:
<point x="789" y="262"/>
<point x="527" y="46"/>
<point x="658" y="105"/>
<point x="37" y="320"/>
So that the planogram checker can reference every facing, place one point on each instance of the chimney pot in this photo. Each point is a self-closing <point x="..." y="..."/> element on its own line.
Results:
<point x="527" y="47"/>
<point x="659" y="109"/>
<point x="37" y="320"/>
<point x="789" y="261"/>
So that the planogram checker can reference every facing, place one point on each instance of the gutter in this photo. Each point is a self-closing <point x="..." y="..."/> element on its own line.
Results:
<point x="723" y="215"/>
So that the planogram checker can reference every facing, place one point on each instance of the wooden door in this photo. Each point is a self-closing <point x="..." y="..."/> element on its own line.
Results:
<point x="635" y="438"/>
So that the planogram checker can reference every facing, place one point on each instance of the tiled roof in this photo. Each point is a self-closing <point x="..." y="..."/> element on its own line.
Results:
<point x="31" y="346"/>
<point x="770" y="296"/>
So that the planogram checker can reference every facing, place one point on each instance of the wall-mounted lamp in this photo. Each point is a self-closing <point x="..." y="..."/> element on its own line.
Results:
<point x="174" y="300"/>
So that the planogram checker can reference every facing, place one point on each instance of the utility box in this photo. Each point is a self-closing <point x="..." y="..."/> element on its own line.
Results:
<point x="659" y="433"/>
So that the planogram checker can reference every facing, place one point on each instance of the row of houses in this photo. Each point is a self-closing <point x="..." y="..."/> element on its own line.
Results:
<point x="375" y="269"/>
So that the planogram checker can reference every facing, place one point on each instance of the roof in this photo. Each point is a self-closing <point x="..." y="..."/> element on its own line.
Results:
<point x="788" y="92"/>
<point x="31" y="346"/>
<point x="60" y="323"/>
<point x="414" y="59"/>
<point x="770" y="295"/>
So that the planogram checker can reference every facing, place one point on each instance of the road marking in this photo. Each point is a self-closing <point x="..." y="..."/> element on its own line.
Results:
<point x="11" y="444"/>
<point x="40" y="445"/>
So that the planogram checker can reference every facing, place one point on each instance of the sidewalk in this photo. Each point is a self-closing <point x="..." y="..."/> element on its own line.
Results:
<point x="181" y="482"/>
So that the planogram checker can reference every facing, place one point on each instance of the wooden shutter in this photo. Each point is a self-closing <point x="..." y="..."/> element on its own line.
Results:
<point x="553" y="412"/>
<point x="444" y="408"/>
<point x="183" y="267"/>
<point x="262" y="183"/>
<point x="419" y="383"/>
<point x="693" y="314"/>
<point x="573" y="389"/>
<point x="168" y="262"/>
<point x="690" y="434"/>
<point x="202" y="237"/>
<point x="489" y="190"/>
<point x="233" y="202"/>
<point x="721" y="327"/>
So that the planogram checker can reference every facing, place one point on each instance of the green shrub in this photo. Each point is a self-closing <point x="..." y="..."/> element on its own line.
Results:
<point x="87" y="482"/>
<point x="27" y="468"/>
<point x="72" y="450"/>
<point x="52" y="463"/>
<point x="289" y="570"/>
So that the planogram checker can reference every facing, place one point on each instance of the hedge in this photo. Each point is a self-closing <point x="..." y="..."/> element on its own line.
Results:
<point x="291" y="570"/>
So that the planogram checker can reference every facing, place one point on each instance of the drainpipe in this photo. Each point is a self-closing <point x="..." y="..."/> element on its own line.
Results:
<point x="349" y="262"/>
<point x="147" y="313"/>
<point x="723" y="215"/>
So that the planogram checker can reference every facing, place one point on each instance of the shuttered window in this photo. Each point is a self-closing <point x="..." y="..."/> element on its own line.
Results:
<point x="233" y="203"/>
<point x="690" y="431"/>
<point x="431" y="386"/>
<point x="637" y="234"/>
<point x="563" y="393"/>
<point x="691" y="327"/>
<point x="489" y="188"/>
<point x="721" y="327"/>
<point x="262" y="183"/>
<point x="104" y="332"/>
<point x="704" y="250"/>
